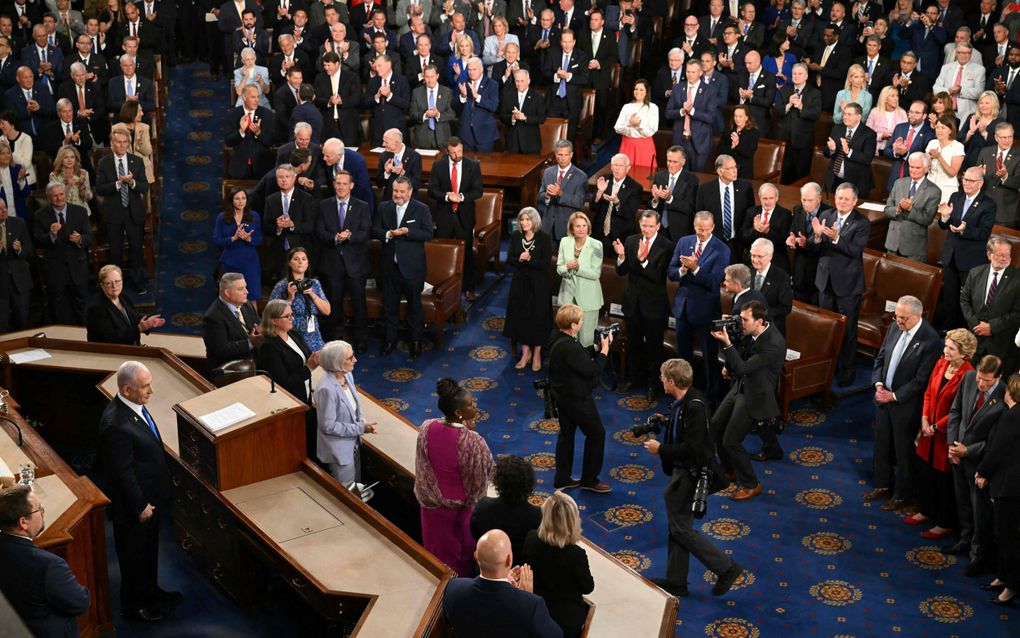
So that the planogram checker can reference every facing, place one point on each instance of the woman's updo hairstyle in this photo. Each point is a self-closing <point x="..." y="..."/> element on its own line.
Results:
<point x="451" y="397"/>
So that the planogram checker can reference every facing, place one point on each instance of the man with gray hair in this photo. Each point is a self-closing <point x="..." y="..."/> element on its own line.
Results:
<point x="1002" y="171"/>
<point x="900" y="378"/>
<point x="478" y="104"/>
<point x="335" y="158"/>
<point x="768" y="221"/>
<point x="68" y="130"/>
<point x="388" y="96"/>
<point x="564" y="189"/>
<point x="990" y="302"/>
<point x="911" y="206"/>
<point x="963" y="79"/>
<point x="772" y="282"/>
<point x="523" y="112"/>
<point x="230" y="324"/>
<point x="289" y="219"/>
<point x="62" y="231"/>
<point x="133" y="461"/>
<point x="851" y="145"/>
<point x="617" y="201"/>
<point x="805" y="257"/>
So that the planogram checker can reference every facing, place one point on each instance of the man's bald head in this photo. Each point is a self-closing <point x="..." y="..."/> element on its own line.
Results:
<point x="494" y="554"/>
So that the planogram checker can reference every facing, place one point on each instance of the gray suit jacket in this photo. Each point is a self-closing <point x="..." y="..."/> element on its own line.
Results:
<point x="398" y="16"/>
<point x="971" y="428"/>
<point x="908" y="231"/>
<point x="422" y="136"/>
<point x="341" y="423"/>
<point x="1003" y="192"/>
<point x="574" y="190"/>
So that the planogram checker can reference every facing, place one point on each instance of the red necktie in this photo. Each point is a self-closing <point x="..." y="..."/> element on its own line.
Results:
<point x="643" y="253"/>
<point x="559" y="178"/>
<point x="765" y="217"/>
<point x="998" y="161"/>
<point x="453" y="182"/>
<point x="697" y="251"/>
<point x="980" y="401"/>
<point x="910" y="140"/>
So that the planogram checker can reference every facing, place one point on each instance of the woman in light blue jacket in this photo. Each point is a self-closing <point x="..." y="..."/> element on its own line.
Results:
<point x="579" y="263"/>
<point x="338" y="408"/>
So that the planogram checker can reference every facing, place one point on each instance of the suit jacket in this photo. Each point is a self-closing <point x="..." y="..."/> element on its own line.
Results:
<point x="421" y="135"/>
<point x="276" y="73"/>
<point x="739" y="51"/>
<point x="913" y="371"/>
<point x="478" y="118"/>
<point x="662" y="86"/>
<point x="9" y="71"/>
<point x="796" y="127"/>
<point x="757" y="375"/>
<point x="348" y="111"/>
<point x="302" y="212"/>
<point x="408" y="250"/>
<point x="573" y="192"/>
<point x="283" y="156"/>
<point x="260" y="45"/>
<point x="41" y="588"/>
<point x="778" y="295"/>
<point x="760" y="104"/>
<point x="14" y="267"/>
<point x="525" y="136"/>
<point x="107" y="324"/>
<point x="106" y="185"/>
<point x="1003" y="314"/>
<point x="842" y="264"/>
<point x="622" y="214"/>
<point x="779" y="229"/>
<point x="710" y="199"/>
<point x="833" y="74"/>
<point x="702" y="119"/>
<point x="479" y="607"/>
<point x="607" y="56"/>
<point x="117" y="94"/>
<point x="966" y="250"/>
<point x="32" y="123"/>
<point x="999" y="464"/>
<point x="538" y="57"/>
<point x="355" y="164"/>
<point x="284" y="365"/>
<point x="62" y="259"/>
<point x="802" y="44"/>
<point x="678" y="213"/>
<point x="1002" y="191"/>
<point x="388" y="113"/>
<point x="1011" y="99"/>
<point x="924" y="135"/>
<point x="411" y="162"/>
<point x="856" y="166"/>
<point x="972" y="428"/>
<point x="698" y="294"/>
<point x="447" y="220"/>
<point x="881" y="74"/>
<point x="251" y="156"/>
<point x="646" y="281"/>
<point x="349" y="257"/>
<point x="54" y="55"/>
<point x="19" y="197"/>
<point x="151" y="38"/>
<point x="581" y="286"/>
<point x="972" y="84"/>
<point x="927" y="46"/>
<point x="224" y="336"/>
<point x="918" y="87"/>
<point x="133" y="462"/>
<point x="562" y="577"/>
<point x="341" y="421"/>
<point x="579" y="78"/>
<point x="52" y="138"/>
<point x="908" y="231"/>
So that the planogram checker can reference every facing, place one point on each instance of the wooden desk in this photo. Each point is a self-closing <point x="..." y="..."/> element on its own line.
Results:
<point x="75" y="509"/>
<point x="503" y="170"/>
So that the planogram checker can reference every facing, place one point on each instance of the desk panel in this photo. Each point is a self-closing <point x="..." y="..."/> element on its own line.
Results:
<point x="183" y="346"/>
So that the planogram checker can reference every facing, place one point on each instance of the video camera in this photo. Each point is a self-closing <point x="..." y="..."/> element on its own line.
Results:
<point x="606" y="331"/>
<point x="730" y="323"/>
<point x="652" y="425"/>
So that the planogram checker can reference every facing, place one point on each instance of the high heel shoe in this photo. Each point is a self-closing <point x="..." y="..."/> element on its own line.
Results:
<point x="520" y="365"/>
<point x="1004" y="603"/>
<point x="536" y="364"/>
<point x="995" y="588"/>
<point x="934" y="536"/>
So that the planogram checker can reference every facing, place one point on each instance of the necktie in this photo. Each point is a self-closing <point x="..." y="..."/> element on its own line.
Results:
<point x="95" y="45"/>
<point x="727" y="214"/>
<point x="67" y="129"/>
<point x="121" y="172"/>
<point x="454" y="183"/>
<point x="286" y="205"/>
<point x="871" y="68"/>
<point x="994" y="288"/>
<point x="998" y="161"/>
<point x="697" y="251"/>
<point x="837" y="161"/>
<point x="765" y="217"/>
<point x="81" y="98"/>
<point x="432" y="105"/>
<point x="131" y="88"/>
<point x="559" y="177"/>
<point x="643" y="252"/>
<point x="901" y="345"/>
<point x="152" y="424"/>
<point x="672" y="183"/>
<point x="545" y="34"/>
<point x="959" y="78"/>
<point x="913" y="189"/>
<point x="595" y="44"/>
<point x="1009" y="80"/>
<point x="676" y="78"/>
<point x="966" y="208"/>
<point x="134" y="29"/>
<point x="607" y="222"/>
<point x="978" y="403"/>
<point x="400" y="216"/>
<point x="342" y="214"/>
<point x="758" y="279"/>
<point x="61" y="219"/>
<point x="562" y="91"/>
<point x="240" y="317"/>
<point x="43" y="53"/>
<point x="910" y="140"/>
<point x="839" y="223"/>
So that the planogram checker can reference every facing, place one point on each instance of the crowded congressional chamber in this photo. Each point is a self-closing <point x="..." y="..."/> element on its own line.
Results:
<point x="480" y="318"/>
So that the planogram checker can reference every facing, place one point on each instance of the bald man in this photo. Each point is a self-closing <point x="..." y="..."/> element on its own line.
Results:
<point x="499" y="602"/>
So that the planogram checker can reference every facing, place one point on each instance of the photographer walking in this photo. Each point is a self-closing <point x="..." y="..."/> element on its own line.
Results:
<point x="687" y="447"/>
<point x="574" y="372"/>
<point x="754" y="371"/>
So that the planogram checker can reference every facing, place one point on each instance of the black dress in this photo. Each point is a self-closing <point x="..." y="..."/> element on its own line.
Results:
<point x="743" y="153"/>
<point x="529" y="308"/>
<point x="562" y="577"/>
<point x="516" y="520"/>
<point x="977" y="142"/>
<point x="106" y="323"/>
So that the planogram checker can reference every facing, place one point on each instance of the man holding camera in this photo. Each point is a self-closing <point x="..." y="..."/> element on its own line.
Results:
<point x="574" y="372"/>
<point x="687" y="447"/>
<point x="754" y="371"/>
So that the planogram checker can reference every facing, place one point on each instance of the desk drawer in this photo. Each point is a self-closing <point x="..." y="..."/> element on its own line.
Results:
<point x="197" y="452"/>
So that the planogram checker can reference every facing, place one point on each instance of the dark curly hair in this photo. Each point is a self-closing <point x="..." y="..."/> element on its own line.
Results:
<point x="514" y="479"/>
<point x="451" y="397"/>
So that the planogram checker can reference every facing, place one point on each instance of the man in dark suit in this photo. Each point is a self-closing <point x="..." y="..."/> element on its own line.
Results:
<point x="968" y="216"/>
<point x="33" y="104"/>
<point x="335" y="158"/>
<point x="15" y="277"/>
<point x="289" y="56"/>
<point x="566" y="73"/>
<point x="86" y="97"/>
<point x="9" y="63"/>
<point x="432" y="111"/>
<point x="455" y="182"/>
<point x="833" y="63"/>
<point x="755" y="88"/>
<point x="397" y="161"/>
<point x="673" y="194"/>
<point x="62" y="232"/>
<point x="710" y="26"/>
<point x="230" y="326"/>
<point x="503" y="71"/>
<point x="46" y="60"/>
<point x="990" y="303"/>
<point x="927" y="37"/>
<point x="249" y="135"/>
<point x="149" y="34"/>
<point x="301" y="138"/>
<point x="343" y="227"/>
<point x="388" y="97"/>
<point x="1002" y="80"/>
<point x="403" y="225"/>
<point x="851" y="145"/>
<point x="599" y="45"/>
<point x="477" y="104"/>
<point x="840" y="236"/>
<point x="421" y="57"/>
<point x="229" y="23"/>
<point x="1002" y="174"/>
<point x="338" y="95"/>
<point x="407" y="46"/>
<point x="289" y="219"/>
<point x="730" y="54"/>
<point x="908" y="137"/>
<point x="537" y="44"/>
<point x="772" y="282"/>
<point x="698" y="263"/>
<point x="251" y="37"/>
<point x="805" y="257"/>
<point x="667" y="78"/>
<point x="728" y="199"/>
<point x="137" y="481"/>
<point x="38" y="584"/>
<point x="691" y="108"/>
<point x="500" y="597"/>
<point x="900" y="377"/>
<point x="801" y="31"/>
<point x="120" y="179"/>
<point x="768" y="221"/>
<point x="616" y="204"/>
<point x="521" y="13"/>
<point x="643" y="259"/>
<point x="879" y="68"/>
<point x="977" y="407"/>
<point x="523" y="112"/>
<point x="130" y="85"/>
<point x="754" y="369"/>
<point x="797" y="108"/>
<point x="68" y="130"/>
<point x="912" y="83"/>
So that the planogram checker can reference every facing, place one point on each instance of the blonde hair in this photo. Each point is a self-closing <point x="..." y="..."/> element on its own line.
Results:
<point x="568" y="315"/>
<point x="883" y="98"/>
<point x="965" y="341"/>
<point x="561" y="521"/>
<point x="58" y="161"/>
<point x="856" y="68"/>
<point x="574" y="216"/>
<point x="996" y="104"/>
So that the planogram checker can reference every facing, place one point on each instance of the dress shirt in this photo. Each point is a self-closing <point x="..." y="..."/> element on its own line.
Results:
<point x="988" y="282"/>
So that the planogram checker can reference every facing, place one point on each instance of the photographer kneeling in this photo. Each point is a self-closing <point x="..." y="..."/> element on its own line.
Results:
<point x="753" y="369"/>
<point x="687" y="453"/>
<point x="574" y="372"/>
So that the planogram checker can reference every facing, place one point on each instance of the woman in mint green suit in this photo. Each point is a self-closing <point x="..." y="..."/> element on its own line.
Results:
<point x="579" y="263"/>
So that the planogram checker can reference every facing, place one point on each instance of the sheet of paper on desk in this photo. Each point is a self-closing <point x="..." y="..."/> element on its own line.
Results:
<point x="878" y="208"/>
<point x="427" y="152"/>
<point x="792" y="355"/>
<point x="225" y="417"/>
<point x="30" y="355"/>
<point x="377" y="149"/>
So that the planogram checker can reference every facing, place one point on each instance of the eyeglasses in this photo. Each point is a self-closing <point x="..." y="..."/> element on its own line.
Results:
<point x="290" y="316"/>
<point x="41" y="510"/>
<point x="112" y="284"/>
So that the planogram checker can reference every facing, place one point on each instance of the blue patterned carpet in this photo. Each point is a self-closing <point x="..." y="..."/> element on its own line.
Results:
<point x="820" y="561"/>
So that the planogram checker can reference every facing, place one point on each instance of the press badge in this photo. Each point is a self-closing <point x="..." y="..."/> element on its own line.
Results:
<point x="311" y="324"/>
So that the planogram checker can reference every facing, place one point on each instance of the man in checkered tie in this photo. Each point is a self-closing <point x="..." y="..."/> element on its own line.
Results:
<point x="120" y="180"/>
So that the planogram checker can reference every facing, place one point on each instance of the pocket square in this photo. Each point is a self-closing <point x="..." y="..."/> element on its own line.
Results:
<point x="409" y="221"/>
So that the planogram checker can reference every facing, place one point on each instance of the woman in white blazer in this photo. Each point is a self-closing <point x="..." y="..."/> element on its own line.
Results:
<point x="579" y="264"/>
<point x="338" y="408"/>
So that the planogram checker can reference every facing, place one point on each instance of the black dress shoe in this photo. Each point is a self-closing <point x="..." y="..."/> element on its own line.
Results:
<point x="670" y="587"/>
<point x="1003" y="603"/>
<point x="761" y="456"/>
<point x="727" y="578"/>
<point x="388" y="348"/>
<point x="571" y="484"/>
<point x="145" y="614"/>
<point x="165" y="596"/>
<point x="957" y="549"/>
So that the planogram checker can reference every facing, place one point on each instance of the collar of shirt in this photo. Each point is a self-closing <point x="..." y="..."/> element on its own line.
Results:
<point x="343" y="201"/>
<point x="651" y="240"/>
<point x="842" y="219"/>
<point x="233" y="309"/>
<point x="289" y="193"/>
<point x="913" y="331"/>
<point x="135" y="407"/>
<point x="58" y="212"/>
<point x="118" y="158"/>
<point x="494" y="580"/>
<point x="764" y="273"/>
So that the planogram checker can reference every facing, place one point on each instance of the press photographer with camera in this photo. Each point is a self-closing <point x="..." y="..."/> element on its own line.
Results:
<point x="574" y="372"/>
<point x="687" y="453"/>
<point x="753" y="369"/>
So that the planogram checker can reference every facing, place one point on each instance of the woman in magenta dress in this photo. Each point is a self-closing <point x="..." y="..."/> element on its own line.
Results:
<point x="452" y="466"/>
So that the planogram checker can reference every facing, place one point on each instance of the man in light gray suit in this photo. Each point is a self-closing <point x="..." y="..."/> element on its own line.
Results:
<point x="432" y="111"/>
<point x="1002" y="176"/>
<point x="911" y="207"/>
<point x="970" y="420"/>
<point x="563" y="191"/>
<point x="964" y="86"/>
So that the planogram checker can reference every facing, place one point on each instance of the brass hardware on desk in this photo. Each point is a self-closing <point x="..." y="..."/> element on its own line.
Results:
<point x="205" y="508"/>
<point x="306" y="530"/>
<point x="297" y="583"/>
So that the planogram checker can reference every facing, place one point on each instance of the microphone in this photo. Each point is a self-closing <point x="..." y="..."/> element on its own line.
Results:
<point x="272" y="382"/>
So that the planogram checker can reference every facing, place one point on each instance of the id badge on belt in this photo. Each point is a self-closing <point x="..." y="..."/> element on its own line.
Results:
<point x="311" y="324"/>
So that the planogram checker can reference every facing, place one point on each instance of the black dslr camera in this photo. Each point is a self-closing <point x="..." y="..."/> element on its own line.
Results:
<point x="303" y="284"/>
<point x="606" y="331"/>
<point x="551" y="409"/>
<point x="773" y="423"/>
<point x="731" y="324"/>
<point x="652" y="425"/>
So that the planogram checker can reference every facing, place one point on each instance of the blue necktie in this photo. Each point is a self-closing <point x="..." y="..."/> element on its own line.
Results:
<point x="901" y="345"/>
<point x="343" y="214"/>
<point x="966" y="207"/>
<point x="727" y="215"/>
<point x="152" y="424"/>
<point x="432" y="105"/>
<point x="562" y="91"/>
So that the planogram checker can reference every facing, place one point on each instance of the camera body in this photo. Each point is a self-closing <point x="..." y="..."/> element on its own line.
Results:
<point x="606" y="331"/>
<point x="303" y="284"/>
<point x="731" y="324"/>
<point x="774" y="423"/>
<point x="652" y="425"/>
<point x="552" y="411"/>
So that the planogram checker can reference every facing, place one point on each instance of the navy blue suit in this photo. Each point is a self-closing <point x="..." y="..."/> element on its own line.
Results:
<point x="391" y="113"/>
<point x="30" y="58"/>
<point x="478" y="128"/>
<point x="40" y="587"/>
<point x="928" y="49"/>
<point x="32" y="123"/>
<point x="963" y="251"/>
<point x="403" y="263"/>
<point x="721" y="84"/>
<point x="344" y="265"/>
<point x="411" y="162"/>
<point x="698" y="145"/>
<point x="899" y="162"/>
<point x="697" y="301"/>
<point x="117" y="94"/>
<point x="480" y="608"/>
<point x="354" y="164"/>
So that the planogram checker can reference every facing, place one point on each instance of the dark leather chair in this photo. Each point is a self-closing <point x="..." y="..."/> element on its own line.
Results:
<point x="552" y="130"/>
<point x="488" y="229"/>
<point x="887" y="278"/>
<point x="816" y="334"/>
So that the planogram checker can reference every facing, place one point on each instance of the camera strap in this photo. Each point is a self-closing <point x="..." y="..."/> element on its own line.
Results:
<point x="718" y="482"/>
